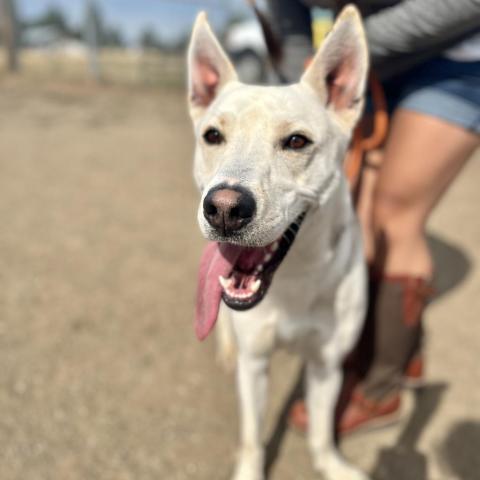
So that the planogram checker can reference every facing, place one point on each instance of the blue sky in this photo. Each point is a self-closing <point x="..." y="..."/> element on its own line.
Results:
<point x="169" y="17"/>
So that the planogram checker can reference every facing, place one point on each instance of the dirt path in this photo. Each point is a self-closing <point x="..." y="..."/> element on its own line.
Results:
<point x="100" y="374"/>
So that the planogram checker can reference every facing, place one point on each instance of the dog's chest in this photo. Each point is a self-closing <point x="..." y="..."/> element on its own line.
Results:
<point x="294" y="322"/>
<point x="304" y="305"/>
<point x="306" y="331"/>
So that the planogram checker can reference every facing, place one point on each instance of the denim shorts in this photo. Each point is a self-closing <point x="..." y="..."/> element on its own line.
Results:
<point x="443" y="88"/>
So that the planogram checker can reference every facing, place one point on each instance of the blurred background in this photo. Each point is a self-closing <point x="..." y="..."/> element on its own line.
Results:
<point x="128" y="43"/>
<point x="101" y="376"/>
<point x="119" y="42"/>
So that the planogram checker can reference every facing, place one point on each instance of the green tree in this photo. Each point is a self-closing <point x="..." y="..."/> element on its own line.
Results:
<point x="113" y="37"/>
<point x="149" y="39"/>
<point x="53" y="17"/>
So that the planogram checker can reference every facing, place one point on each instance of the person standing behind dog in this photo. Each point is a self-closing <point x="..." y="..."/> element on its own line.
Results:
<point x="427" y="55"/>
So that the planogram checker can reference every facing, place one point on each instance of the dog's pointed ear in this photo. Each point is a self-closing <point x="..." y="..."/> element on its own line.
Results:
<point x="338" y="72"/>
<point x="209" y="68"/>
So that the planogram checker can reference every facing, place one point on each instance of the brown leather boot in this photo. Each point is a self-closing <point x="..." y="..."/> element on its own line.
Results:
<point x="385" y="413"/>
<point x="395" y="332"/>
<point x="364" y="414"/>
<point x="388" y="350"/>
<point x="414" y="376"/>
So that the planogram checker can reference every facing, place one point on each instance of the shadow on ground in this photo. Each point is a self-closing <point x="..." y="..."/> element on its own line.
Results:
<point x="452" y="264"/>
<point x="403" y="461"/>
<point x="459" y="451"/>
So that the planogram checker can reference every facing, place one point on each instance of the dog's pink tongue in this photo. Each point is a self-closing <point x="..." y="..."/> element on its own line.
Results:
<point x="217" y="259"/>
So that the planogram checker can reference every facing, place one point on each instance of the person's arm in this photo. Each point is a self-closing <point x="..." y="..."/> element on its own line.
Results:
<point x="416" y="26"/>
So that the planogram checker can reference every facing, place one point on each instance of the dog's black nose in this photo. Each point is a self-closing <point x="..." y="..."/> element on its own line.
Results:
<point x="228" y="209"/>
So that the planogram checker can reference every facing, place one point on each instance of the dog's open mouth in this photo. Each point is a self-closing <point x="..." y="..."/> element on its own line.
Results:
<point x="253" y="271"/>
<point x="239" y="275"/>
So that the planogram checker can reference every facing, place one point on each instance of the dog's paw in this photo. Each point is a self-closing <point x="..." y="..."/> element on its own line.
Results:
<point x="335" y="468"/>
<point x="249" y="466"/>
<point x="246" y="472"/>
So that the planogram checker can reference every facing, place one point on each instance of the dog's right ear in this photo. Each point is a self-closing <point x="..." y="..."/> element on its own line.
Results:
<point x="338" y="72"/>
<point x="209" y="68"/>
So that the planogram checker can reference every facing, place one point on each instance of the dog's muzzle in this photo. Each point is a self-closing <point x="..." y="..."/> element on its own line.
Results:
<point x="239" y="275"/>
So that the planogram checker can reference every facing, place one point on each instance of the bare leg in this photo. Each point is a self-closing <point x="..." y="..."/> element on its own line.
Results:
<point x="365" y="201"/>
<point x="422" y="156"/>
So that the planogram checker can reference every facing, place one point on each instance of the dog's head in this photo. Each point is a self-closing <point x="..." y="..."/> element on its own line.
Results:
<point x="264" y="155"/>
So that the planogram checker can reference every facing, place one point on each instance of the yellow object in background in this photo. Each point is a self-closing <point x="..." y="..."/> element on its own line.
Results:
<point x="322" y="21"/>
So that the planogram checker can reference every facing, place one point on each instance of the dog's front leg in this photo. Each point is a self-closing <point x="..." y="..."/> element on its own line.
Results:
<point x="252" y="379"/>
<point x="323" y="385"/>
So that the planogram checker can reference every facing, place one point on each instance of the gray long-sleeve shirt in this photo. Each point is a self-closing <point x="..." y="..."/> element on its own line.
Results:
<point x="402" y="33"/>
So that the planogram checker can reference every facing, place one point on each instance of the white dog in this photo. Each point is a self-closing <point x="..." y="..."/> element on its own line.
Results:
<point x="268" y="162"/>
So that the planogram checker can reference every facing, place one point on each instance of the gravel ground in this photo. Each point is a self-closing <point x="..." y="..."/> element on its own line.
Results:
<point x="100" y="374"/>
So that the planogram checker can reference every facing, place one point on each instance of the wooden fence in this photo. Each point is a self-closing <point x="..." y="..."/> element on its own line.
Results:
<point x="117" y="66"/>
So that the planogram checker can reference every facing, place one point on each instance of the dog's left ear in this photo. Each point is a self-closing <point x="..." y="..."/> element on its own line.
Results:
<point x="209" y="68"/>
<point x="339" y="69"/>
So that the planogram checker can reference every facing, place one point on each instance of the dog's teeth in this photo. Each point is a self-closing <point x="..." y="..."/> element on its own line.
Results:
<point x="225" y="282"/>
<point x="267" y="257"/>
<point x="274" y="247"/>
<point x="240" y="295"/>
<point x="255" y="285"/>
<point x="259" y="269"/>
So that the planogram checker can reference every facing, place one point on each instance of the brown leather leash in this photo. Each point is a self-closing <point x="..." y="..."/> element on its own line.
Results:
<point x="362" y="143"/>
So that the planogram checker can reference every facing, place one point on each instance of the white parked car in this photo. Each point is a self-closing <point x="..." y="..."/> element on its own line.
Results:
<point x="246" y="46"/>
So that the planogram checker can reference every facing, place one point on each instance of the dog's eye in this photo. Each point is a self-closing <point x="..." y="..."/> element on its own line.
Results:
<point x="296" y="142"/>
<point x="213" y="137"/>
